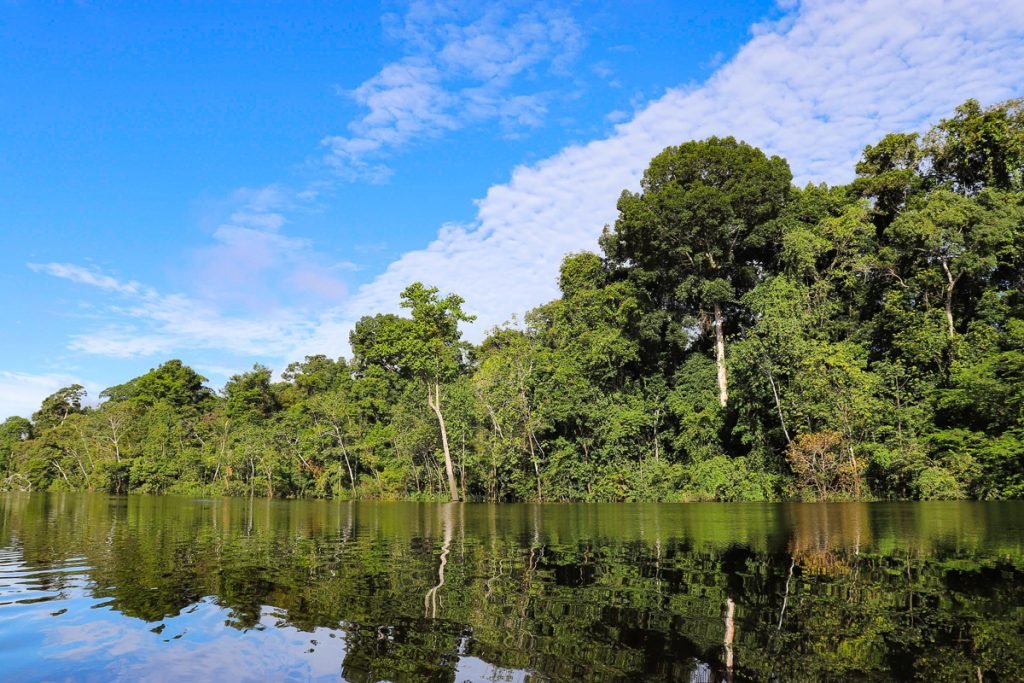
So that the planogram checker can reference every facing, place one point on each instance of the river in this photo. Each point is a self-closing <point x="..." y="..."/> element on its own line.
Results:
<point x="109" y="588"/>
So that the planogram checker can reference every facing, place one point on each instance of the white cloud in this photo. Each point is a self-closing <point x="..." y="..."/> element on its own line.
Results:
<point x="815" y="87"/>
<point x="21" y="393"/>
<point x="254" y="263"/>
<point x="251" y="266"/>
<point x="461" y="62"/>
<point x="165" y="324"/>
<point x="151" y="323"/>
<point x="85" y="276"/>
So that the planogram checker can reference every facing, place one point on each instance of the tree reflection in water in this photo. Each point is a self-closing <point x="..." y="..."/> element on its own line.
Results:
<point x="423" y="592"/>
<point x="430" y="601"/>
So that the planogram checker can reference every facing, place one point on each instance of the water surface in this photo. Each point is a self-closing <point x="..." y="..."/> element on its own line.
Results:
<point x="163" y="588"/>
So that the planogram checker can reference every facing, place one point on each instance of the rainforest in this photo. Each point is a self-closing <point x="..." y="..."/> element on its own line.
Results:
<point x="736" y="338"/>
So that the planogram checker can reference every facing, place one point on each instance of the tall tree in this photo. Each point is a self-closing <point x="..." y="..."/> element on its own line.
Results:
<point x="698" y="232"/>
<point x="58" y="406"/>
<point x="13" y="431"/>
<point x="955" y="237"/>
<point x="173" y="382"/>
<point x="433" y="352"/>
<point x="317" y="374"/>
<point x="505" y="382"/>
<point x="250" y="396"/>
<point x="979" y="147"/>
<point x="890" y="173"/>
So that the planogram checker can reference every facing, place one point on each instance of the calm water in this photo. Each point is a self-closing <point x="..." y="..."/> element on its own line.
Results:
<point x="150" y="588"/>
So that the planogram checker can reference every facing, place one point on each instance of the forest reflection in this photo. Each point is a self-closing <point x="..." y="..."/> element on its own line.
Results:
<point x="445" y="592"/>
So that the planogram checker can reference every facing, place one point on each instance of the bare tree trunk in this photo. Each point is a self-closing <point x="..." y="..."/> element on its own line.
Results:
<point x="61" y="470"/>
<point x="462" y="465"/>
<point x="434" y="401"/>
<point x="949" y="312"/>
<point x="85" y="447"/>
<point x="950" y="285"/>
<point x="536" y="467"/>
<point x="220" y="454"/>
<point x="493" y="484"/>
<point x="344" y="452"/>
<point x="657" y="419"/>
<point x="723" y="384"/>
<point x="115" y="436"/>
<point x="252" y="477"/>
<point x="531" y="440"/>
<point x="778" y="405"/>
<point x="856" y="471"/>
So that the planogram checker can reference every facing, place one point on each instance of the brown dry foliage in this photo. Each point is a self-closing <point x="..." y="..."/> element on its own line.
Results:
<point x="822" y="462"/>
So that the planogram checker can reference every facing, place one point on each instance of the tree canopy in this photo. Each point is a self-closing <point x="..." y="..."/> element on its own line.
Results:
<point x="737" y="338"/>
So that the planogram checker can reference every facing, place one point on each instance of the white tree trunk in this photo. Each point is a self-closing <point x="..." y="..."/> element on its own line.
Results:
<point x="723" y="382"/>
<point x="434" y="401"/>
<point x="950" y="286"/>
<point x="949" y="311"/>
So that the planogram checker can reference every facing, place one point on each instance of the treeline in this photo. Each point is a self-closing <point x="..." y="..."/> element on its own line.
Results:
<point x="738" y="339"/>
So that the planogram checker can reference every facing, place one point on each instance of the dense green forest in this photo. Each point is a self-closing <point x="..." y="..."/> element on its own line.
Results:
<point x="738" y="339"/>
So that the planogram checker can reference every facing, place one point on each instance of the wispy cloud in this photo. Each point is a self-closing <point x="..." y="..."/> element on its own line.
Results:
<point x="21" y="393"/>
<point x="254" y="263"/>
<point x="464" y="63"/>
<point x="86" y="276"/>
<point x="149" y="323"/>
<point x="255" y="291"/>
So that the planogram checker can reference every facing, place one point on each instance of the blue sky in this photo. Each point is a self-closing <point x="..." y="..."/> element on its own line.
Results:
<point x="238" y="182"/>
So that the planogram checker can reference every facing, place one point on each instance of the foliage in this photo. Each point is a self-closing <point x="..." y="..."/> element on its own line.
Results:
<point x="738" y="339"/>
<point x="824" y="466"/>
